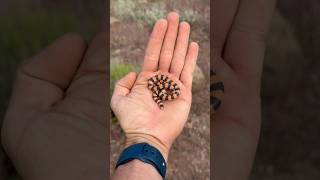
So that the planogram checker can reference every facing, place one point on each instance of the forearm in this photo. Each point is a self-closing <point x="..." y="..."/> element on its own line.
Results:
<point x="136" y="170"/>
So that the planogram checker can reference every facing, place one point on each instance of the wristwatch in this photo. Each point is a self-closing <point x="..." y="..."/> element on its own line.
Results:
<point x="145" y="153"/>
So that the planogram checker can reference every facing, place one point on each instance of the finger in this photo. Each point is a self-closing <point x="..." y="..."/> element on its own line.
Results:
<point x="41" y="80"/>
<point x="169" y="42"/>
<point x="153" y="50"/>
<point x="222" y="18"/>
<point x="123" y="88"/>
<point x="190" y="64"/>
<point x="40" y="83"/>
<point x="95" y="60"/>
<point x="88" y="92"/>
<point x="180" y="49"/>
<point x="57" y="63"/>
<point x="94" y="67"/>
<point x="246" y="43"/>
<point x="124" y="85"/>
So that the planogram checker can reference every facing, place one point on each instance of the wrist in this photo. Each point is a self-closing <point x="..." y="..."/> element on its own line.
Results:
<point x="136" y="138"/>
<point x="134" y="168"/>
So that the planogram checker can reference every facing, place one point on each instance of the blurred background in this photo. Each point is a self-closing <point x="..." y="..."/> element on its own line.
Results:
<point x="131" y="25"/>
<point x="26" y="27"/>
<point x="289" y="148"/>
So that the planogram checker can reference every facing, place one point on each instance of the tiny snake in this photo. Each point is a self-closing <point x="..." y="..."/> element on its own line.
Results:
<point x="163" y="89"/>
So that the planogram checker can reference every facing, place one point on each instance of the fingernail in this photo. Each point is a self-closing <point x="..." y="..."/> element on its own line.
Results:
<point x="173" y="16"/>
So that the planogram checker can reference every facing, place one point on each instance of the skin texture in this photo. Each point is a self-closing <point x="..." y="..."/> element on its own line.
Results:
<point x="55" y="125"/>
<point x="239" y="31"/>
<point x="140" y="117"/>
<point x="136" y="169"/>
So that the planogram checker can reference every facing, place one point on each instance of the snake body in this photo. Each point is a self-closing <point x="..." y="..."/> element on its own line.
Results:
<point x="216" y="92"/>
<point x="163" y="89"/>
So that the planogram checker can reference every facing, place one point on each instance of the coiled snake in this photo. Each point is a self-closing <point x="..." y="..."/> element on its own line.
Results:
<point x="163" y="89"/>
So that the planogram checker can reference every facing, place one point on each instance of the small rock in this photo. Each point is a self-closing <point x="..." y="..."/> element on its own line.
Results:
<point x="113" y="20"/>
<point x="116" y="52"/>
<point x="198" y="78"/>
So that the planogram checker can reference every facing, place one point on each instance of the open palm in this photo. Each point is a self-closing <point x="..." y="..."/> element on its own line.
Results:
<point x="140" y="117"/>
<point x="239" y="34"/>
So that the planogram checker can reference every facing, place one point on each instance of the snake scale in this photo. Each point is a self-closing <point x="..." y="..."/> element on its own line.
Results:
<point x="163" y="89"/>
<point x="216" y="92"/>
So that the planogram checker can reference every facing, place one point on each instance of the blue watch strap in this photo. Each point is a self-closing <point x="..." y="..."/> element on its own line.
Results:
<point x="146" y="153"/>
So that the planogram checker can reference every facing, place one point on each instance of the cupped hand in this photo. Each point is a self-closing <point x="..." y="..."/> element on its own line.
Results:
<point x="55" y="124"/>
<point x="170" y="53"/>
<point x="239" y="31"/>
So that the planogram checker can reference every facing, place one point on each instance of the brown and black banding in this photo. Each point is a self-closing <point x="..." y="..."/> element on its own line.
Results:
<point x="163" y="88"/>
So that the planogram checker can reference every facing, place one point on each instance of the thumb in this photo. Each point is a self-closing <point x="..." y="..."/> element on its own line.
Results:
<point x="122" y="88"/>
<point x="125" y="84"/>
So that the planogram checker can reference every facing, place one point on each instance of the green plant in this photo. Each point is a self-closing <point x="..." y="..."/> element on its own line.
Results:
<point x="114" y="120"/>
<point x="23" y="33"/>
<point x="128" y="10"/>
<point x="190" y="16"/>
<point x="117" y="71"/>
<point x="124" y="9"/>
<point x="150" y="14"/>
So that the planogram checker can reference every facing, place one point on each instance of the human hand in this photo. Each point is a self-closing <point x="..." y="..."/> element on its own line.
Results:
<point x="239" y="31"/>
<point x="55" y="125"/>
<point x="140" y="117"/>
